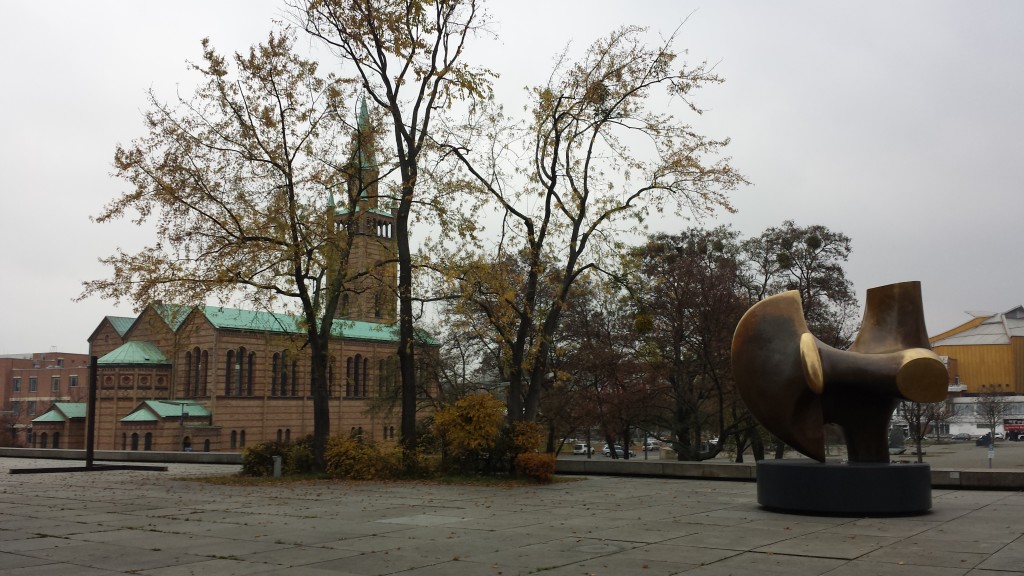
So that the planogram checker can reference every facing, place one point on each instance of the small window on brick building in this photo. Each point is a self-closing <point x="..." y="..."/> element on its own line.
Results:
<point x="33" y="384"/>
<point x="55" y="384"/>
<point x="16" y="385"/>
<point x="73" y="381"/>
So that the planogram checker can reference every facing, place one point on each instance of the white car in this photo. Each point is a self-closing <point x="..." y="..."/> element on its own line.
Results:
<point x="581" y="449"/>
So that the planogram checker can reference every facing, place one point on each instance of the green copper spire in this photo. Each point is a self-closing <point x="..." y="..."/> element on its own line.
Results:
<point x="365" y="158"/>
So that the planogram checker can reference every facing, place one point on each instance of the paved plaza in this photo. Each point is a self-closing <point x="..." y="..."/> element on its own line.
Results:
<point x="165" y="524"/>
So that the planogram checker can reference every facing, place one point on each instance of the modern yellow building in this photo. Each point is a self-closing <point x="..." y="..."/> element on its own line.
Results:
<point x="987" y="352"/>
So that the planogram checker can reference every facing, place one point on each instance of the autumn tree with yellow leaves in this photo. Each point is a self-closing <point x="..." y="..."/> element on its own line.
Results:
<point x="237" y="179"/>
<point x="602" y="153"/>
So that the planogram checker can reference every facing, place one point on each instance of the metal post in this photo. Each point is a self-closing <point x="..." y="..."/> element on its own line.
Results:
<point x="90" y="424"/>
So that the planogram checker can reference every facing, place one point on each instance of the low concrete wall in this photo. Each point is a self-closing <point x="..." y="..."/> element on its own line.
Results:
<point x="656" y="468"/>
<point x="969" y="479"/>
<point x="126" y="456"/>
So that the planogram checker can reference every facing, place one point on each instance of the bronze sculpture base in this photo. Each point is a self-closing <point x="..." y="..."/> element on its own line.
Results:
<point x="806" y="486"/>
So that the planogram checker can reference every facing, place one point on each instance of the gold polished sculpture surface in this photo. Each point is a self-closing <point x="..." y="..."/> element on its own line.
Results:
<point x="794" y="384"/>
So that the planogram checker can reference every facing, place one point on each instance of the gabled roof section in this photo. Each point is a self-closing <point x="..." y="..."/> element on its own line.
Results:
<point x="72" y="409"/>
<point x="996" y="329"/>
<point x="62" y="412"/>
<point x="121" y="324"/>
<point x="155" y="410"/>
<point x="135" y="353"/>
<point x="173" y="314"/>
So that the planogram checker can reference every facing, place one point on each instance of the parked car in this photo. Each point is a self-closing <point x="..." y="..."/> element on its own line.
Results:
<point x="582" y="449"/>
<point x="651" y="447"/>
<point x="961" y="436"/>
<point x="618" y="451"/>
<point x="999" y="435"/>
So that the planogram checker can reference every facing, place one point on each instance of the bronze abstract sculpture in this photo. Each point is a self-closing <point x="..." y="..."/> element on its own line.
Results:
<point x="793" y="383"/>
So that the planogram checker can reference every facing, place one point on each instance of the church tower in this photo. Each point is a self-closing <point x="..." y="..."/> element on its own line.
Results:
<point x="372" y="296"/>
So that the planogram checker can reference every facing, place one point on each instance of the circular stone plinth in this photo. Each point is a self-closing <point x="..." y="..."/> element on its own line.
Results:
<point x="845" y="489"/>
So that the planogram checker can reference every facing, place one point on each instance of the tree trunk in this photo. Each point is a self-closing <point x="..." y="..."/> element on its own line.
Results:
<point x="757" y="445"/>
<point x="406" y="338"/>
<point x="780" y="449"/>
<point x="321" y="402"/>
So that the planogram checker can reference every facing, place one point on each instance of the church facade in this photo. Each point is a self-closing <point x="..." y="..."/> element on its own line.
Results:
<point x="219" y="379"/>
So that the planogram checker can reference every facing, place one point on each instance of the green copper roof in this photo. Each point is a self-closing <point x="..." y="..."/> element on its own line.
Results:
<point x="235" y="319"/>
<point x="173" y="408"/>
<point x="135" y="352"/>
<point x="140" y="416"/>
<point x="50" y="416"/>
<point x="62" y="412"/>
<point x="173" y="314"/>
<point x="154" y="410"/>
<point x="378" y="211"/>
<point x="72" y="409"/>
<point x="121" y="324"/>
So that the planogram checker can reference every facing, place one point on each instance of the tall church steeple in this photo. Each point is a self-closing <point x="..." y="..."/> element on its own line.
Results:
<point x="372" y="296"/>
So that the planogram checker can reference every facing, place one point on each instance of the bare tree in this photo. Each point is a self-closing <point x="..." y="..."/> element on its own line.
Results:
<point x="922" y="418"/>
<point x="408" y="57"/>
<point x="991" y="405"/>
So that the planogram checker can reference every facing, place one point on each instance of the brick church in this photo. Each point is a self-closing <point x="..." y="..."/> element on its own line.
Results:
<point x="220" y="379"/>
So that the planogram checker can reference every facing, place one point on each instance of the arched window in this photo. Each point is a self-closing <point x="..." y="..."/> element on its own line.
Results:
<point x="392" y="432"/>
<point x="206" y="445"/>
<point x="295" y="377"/>
<point x="124" y="441"/>
<point x="42" y="440"/>
<point x="275" y="367"/>
<point x="196" y="371"/>
<point x="234" y="439"/>
<point x="229" y="372"/>
<point x="56" y="439"/>
<point x="378" y="305"/>
<point x="287" y="434"/>
<point x="280" y="435"/>
<point x="241" y="439"/>
<point x="135" y="441"/>
<point x="248" y="373"/>
<point x="284" y="374"/>
<point x="188" y="373"/>
<point x="148" y="441"/>
<point x="330" y="377"/>
<point x="366" y="376"/>
<point x="381" y="371"/>
<point x="239" y="368"/>
<point x="186" y="444"/>
<point x="348" y="377"/>
<point x="356" y="374"/>
<point x="204" y="373"/>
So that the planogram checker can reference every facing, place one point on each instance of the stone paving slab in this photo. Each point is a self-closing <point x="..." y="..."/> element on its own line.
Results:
<point x="169" y="524"/>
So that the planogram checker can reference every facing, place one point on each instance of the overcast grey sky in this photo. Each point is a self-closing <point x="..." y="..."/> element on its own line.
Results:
<point x="896" y="123"/>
